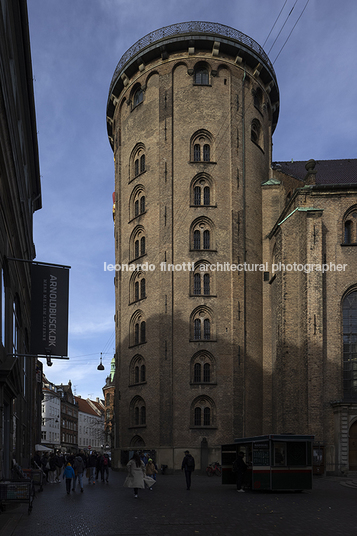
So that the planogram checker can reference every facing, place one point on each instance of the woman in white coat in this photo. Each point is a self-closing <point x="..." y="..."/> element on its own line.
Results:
<point x="136" y="470"/>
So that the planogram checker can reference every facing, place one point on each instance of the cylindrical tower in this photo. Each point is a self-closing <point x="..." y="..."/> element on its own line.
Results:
<point x="190" y="116"/>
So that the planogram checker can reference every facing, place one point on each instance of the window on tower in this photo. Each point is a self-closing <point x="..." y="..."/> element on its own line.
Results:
<point x="201" y="147"/>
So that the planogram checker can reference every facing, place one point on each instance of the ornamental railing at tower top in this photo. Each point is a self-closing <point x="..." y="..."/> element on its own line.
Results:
<point x="197" y="27"/>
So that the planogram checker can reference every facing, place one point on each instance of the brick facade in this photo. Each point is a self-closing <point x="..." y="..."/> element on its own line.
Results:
<point x="201" y="360"/>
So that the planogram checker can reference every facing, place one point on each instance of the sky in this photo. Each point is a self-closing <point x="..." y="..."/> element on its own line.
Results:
<point x="76" y="45"/>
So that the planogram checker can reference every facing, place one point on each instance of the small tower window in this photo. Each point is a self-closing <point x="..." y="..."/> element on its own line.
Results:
<point x="202" y="76"/>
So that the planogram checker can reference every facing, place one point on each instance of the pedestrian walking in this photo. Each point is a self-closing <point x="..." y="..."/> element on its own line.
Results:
<point x="52" y="468"/>
<point x="92" y="465"/>
<point x="104" y="467"/>
<point x="239" y="468"/>
<point x="68" y="474"/>
<point x="151" y="470"/>
<point x="136" y="470"/>
<point x="78" y="467"/>
<point x="188" y="465"/>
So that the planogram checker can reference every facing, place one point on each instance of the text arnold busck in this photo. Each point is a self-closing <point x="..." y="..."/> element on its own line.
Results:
<point x="227" y="267"/>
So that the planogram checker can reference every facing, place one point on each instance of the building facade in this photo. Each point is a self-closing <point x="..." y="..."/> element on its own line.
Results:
<point x="90" y="424"/>
<point x="20" y="197"/>
<point x="210" y="343"/>
<point x="50" y="415"/>
<point x="69" y="418"/>
<point x="109" y="397"/>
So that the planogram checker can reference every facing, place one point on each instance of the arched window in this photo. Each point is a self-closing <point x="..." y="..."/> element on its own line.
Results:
<point x="137" y="161"/>
<point x="349" y="311"/>
<point x="143" y="415"/>
<point x="206" y="152"/>
<point x="197" y="239"/>
<point x="256" y="132"/>
<point x="201" y="75"/>
<point x="201" y="324"/>
<point x="202" y="280"/>
<point x="137" y="202"/>
<point x="206" y="195"/>
<point x="197" y="373"/>
<point x="201" y="146"/>
<point x="206" y="416"/>
<point x="206" y="373"/>
<point x="197" y="329"/>
<point x="137" y="370"/>
<point x="137" y="287"/>
<point x="206" y="239"/>
<point x="137" y="329"/>
<point x="137" y="246"/>
<point x="197" y="283"/>
<point x="206" y="284"/>
<point x="142" y="373"/>
<point x="137" y="411"/>
<point x="202" y="234"/>
<point x="138" y="97"/>
<point x="201" y="187"/>
<point x="142" y="288"/>
<point x="142" y="245"/>
<point x="197" y="420"/>
<point x="202" y="412"/>
<point x="142" y="163"/>
<point x="202" y="367"/>
<point x="350" y="226"/>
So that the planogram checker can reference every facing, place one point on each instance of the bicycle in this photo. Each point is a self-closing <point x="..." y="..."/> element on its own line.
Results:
<point x="214" y="469"/>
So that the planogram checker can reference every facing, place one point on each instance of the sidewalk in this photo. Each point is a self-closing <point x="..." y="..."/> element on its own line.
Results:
<point x="209" y="509"/>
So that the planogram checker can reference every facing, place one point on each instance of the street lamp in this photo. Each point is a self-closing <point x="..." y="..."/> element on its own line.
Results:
<point x="100" y="366"/>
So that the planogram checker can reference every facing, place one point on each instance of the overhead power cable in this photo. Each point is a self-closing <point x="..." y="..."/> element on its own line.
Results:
<point x="276" y="20"/>
<point x="291" y="31"/>
<point x="281" y="29"/>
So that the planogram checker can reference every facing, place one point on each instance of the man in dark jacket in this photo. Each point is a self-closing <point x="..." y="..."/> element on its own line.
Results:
<point x="188" y="465"/>
<point x="239" y="468"/>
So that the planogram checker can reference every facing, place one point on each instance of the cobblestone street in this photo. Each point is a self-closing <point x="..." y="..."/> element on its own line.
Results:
<point x="209" y="509"/>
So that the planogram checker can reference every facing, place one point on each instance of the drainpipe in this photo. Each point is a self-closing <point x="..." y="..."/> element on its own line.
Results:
<point x="244" y="258"/>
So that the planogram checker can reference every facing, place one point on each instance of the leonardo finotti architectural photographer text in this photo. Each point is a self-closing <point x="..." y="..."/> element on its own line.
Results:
<point x="227" y="267"/>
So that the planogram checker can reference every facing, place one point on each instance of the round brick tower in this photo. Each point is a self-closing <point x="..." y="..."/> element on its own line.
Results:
<point x="190" y="115"/>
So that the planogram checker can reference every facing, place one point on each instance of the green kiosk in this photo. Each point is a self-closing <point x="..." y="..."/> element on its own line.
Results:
<point x="275" y="462"/>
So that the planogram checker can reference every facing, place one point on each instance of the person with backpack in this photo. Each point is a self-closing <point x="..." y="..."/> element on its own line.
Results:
<point x="239" y="468"/>
<point x="188" y="465"/>
<point x="104" y="467"/>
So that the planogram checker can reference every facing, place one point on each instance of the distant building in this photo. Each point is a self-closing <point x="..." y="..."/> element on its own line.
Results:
<point x="90" y="424"/>
<point x="69" y="418"/>
<point x="236" y="284"/>
<point x="20" y="197"/>
<point x="109" y="397"/>
<point x="51" y="415"/>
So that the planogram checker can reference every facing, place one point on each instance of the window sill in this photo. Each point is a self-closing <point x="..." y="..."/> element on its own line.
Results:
<point x="203" y="295"/>
<point x="202" y="162"/>
<point x="137" y="301"/>
<point x="204" y="250"/>
<point x="138" y="216"/>
<point x="203" y="340"/>
<point x="204" y="206"/>
<point x="350" y="244"/>
<point x="202" y="427"/>
<point x="137" y="344"/>
<point x="137" y="384"/>
<point x="131" y="179"/>
<point x="136" y="259"/>
<point x="137" y="426"/>
<point x="205" y="384"/>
